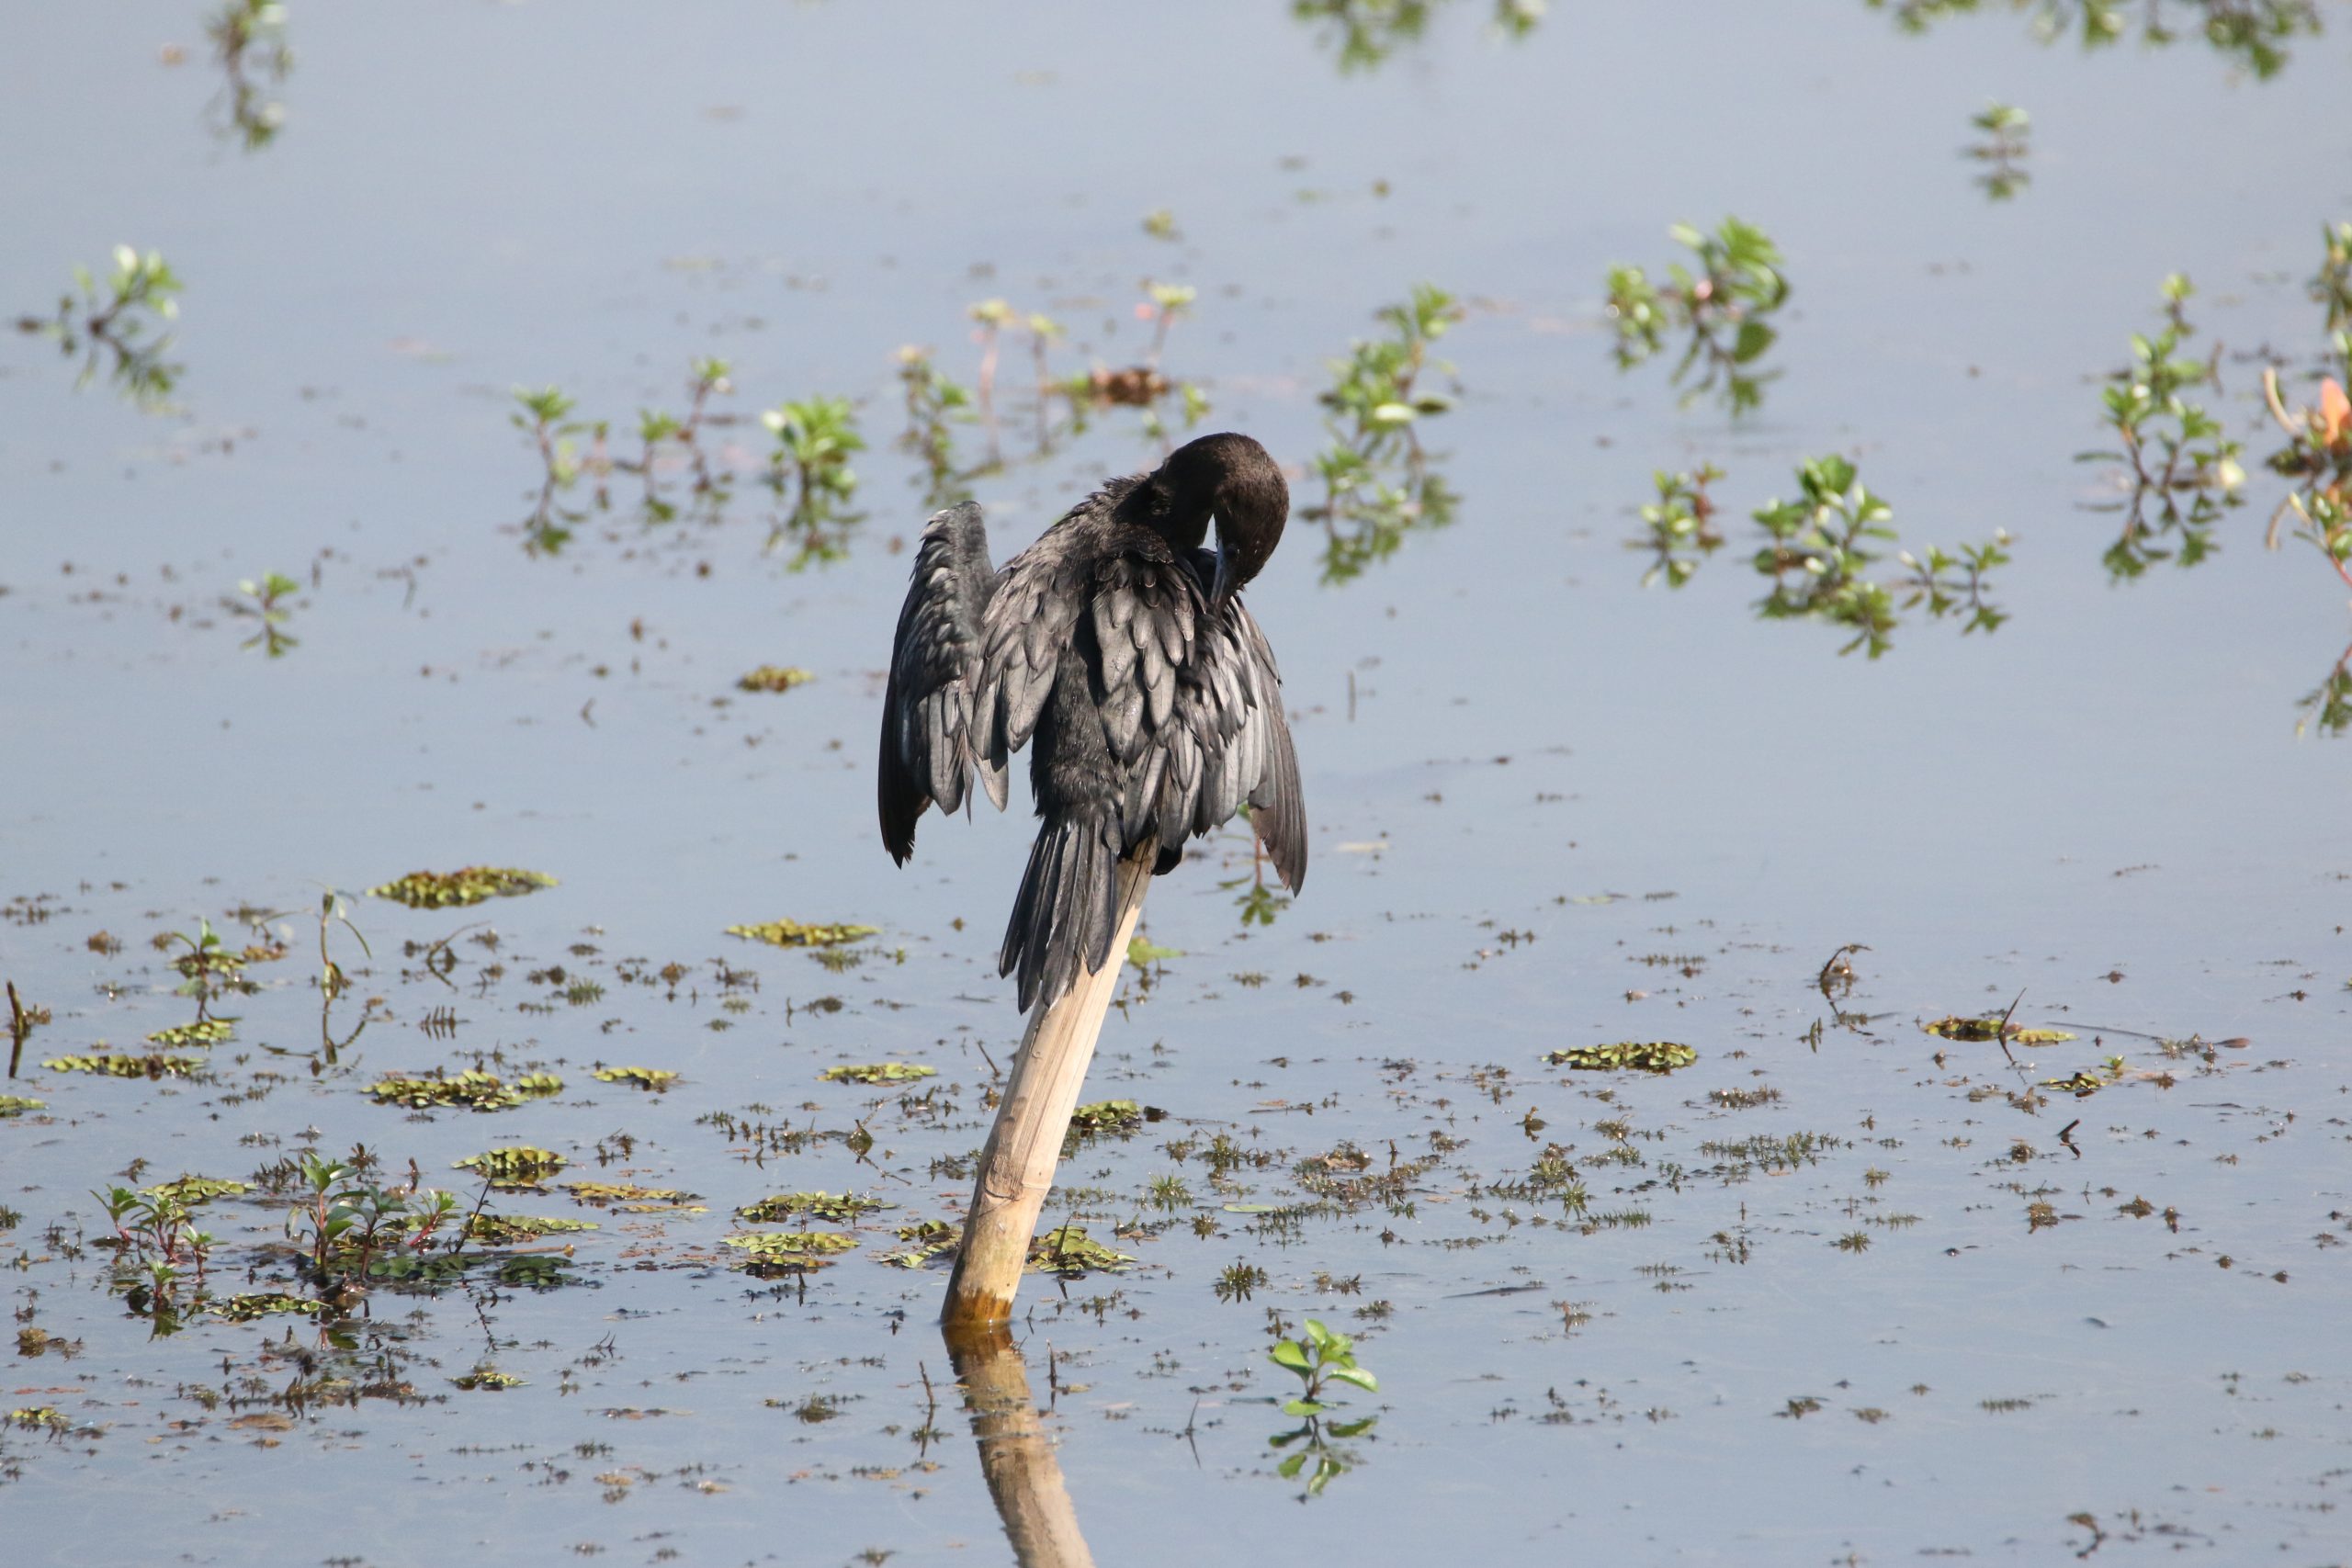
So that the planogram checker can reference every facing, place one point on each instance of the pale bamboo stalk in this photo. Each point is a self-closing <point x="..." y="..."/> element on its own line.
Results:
<point x="1016" y="1456"/>
<point x="1017" y="1166"/>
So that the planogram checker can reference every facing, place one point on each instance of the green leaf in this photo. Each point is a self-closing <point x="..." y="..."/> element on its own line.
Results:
<point x="1358" y="1376"/>
<point x="1289" y="1353"/>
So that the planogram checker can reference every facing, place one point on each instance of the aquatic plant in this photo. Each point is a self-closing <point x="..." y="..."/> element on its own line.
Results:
<point x="1362" y="34"/>
<point x="1642" y="1055"/>
<point x="877" y="1073"/>
<point x="774" y="677"/>
<point x="266" y="601"/>
<point x="2252" y="33"/>
<point x="1726" y="306"/>
<point x="2008" y="133"/>
<point x="117" y="323"/>
<point x="467" y="885"/>
<point x="1825" y="541"/>
<point x="798" y="933"/>
<point x="1318" y="1358"/>
<point x="249" y="43"/>
<point x="2183" y="472"/>
<point x="934" y="403"/>
<point x="1378" y="484"/>
<point x="1681" y="531"/>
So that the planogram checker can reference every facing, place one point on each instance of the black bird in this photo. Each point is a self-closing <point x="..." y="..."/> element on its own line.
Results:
<point x="1122" y="648"/>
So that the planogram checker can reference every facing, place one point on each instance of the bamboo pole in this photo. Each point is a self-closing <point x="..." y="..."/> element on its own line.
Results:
<point x="1017" y="1167"/>
<point x="1016" y="1457"/>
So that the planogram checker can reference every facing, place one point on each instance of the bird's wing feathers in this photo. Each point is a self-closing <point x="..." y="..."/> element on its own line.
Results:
<point x="930" y="736"/>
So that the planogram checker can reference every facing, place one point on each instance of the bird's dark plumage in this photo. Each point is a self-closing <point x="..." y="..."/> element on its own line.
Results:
<point x="1118" y="650"/>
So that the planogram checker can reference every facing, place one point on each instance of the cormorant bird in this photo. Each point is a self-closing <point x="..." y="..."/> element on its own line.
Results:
<point x="1120" y="648"/>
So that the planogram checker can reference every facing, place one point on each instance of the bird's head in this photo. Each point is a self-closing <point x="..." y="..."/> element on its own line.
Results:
<point x="1231" y="479"/>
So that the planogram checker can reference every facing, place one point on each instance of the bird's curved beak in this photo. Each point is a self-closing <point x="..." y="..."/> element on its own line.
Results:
<point x="1221" y="591"/>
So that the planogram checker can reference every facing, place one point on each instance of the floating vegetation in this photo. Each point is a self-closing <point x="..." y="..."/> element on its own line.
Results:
<point x="503" y="1230"/>
<point x="2182" y="471"/>
<point x="1821" y="549"/>
<point x="627" y="1195"/>
<point x="1068" y="1251"/>
<point x="655" y="1078"/>
<point x="116" y="325"/>
<point x="1725" y="307"/>
<point x="835" y="1207"/>
<point x="2250" y="33"/>
<point x="1107" y="1116"/>
<point x="771" y="1252"/>
<point x="249" y="41"/>
<point x="877" y="1073"/>
<point x="517" y="1166"/>
<point x="125" y="1067"/>
<point x="473" y="1089"/>
<point x="1142" y="952"/>
<point x="775" y="678"/>
<point x="209" y="1032"/>
<point x="17" y="1105"/>
<point x="2082" y="1086"/>
<point x="792" y="933"/>
<point x="1378" y="484"/>
<point x="488" y="1380"/>
<point x="1644" y="1055"/>
<point x="2008" y="131"/>
<point x="468" y="885"/>
<point x="252" y="1307"/>
<point x="188" y="1190"/>
<point x="1362" y="34"/>
<point x="264" y="601"/>
<point x="1987" y="1029"/>
<point x="1681" y="532"/>
<point x="929" y="1239"/>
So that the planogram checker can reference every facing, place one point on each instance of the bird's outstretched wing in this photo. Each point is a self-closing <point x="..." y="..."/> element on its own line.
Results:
<point x="930" y="738"/>
<point x="1228" y="745"/>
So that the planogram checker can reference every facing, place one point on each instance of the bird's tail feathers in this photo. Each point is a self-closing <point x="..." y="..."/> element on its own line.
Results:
<point x="1066" y="911"/>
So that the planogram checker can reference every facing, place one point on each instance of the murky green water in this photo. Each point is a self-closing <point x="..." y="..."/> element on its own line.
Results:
<point x="1839" y="1290"/>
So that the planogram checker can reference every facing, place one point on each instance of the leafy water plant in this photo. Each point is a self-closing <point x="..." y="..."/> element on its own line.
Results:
<point x="1726" y="305"/>
<point x="264" y="601"/>
<point x="1318" y="1359"/>
<point x="877" y="1073"/>
<point x="2182" y="471"/>
<point x="1068" y="1251"/>
<point x="1378" y="484"/>
<point x="1641" y="1055"/>
<point x="658" y="429"/>
<point x="774" y="677"/>
<point x="472" y="1089"/>
<point x="768" y="1254"/>
<point x="1362" y="34"/>
<point x="933" y="404"/>
<point x="2252" y="34"/>
<point x="249" y="43"/>
<point x="467" y="885"/>
<point x="2007" y="138"/>
<point x="1681" y="528"/>
<point x="2332" y="285"/>
<point x="657" y="1079"/>
<point x="119" y="324"/>
<point x="515" y="1166"/>
<point x="797" y="933"/>
<point x="835" y="1208"/>
<point x="1824" y="543"/>
<point x="815" y="438"/>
